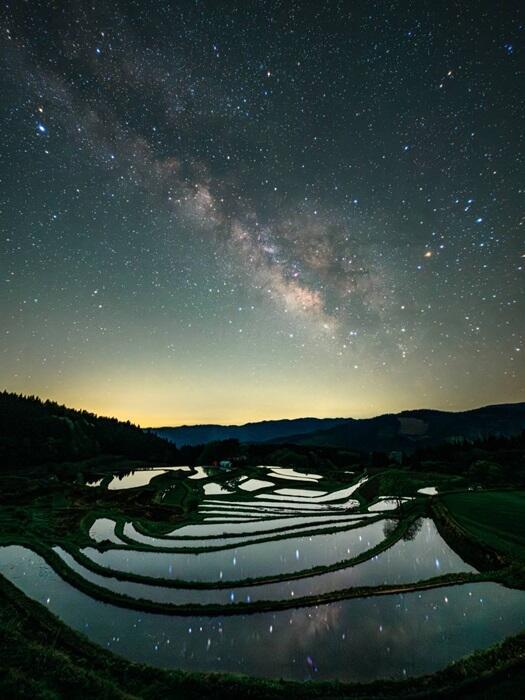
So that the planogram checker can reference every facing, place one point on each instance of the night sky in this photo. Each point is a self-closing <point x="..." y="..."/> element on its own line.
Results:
<point x="222" y="212"/>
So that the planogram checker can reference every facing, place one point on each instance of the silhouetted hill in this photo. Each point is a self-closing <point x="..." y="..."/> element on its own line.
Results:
<point x="278" y="430"/>
<point x="410" y="430"/>
<point x="34" y="432"/>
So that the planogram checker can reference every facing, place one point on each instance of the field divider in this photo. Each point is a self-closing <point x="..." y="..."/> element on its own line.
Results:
<point x="480" y="554"/>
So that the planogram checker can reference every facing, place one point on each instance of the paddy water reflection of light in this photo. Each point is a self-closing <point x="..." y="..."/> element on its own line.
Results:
<point x="359" y="640"/>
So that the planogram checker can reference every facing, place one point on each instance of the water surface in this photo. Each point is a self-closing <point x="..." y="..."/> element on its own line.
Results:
<point x="256" y="560"/>
<point x="290" y="531"/>
<point x="231" y="528"/>
<point x="407" y="561"/>
<point x="139" y="477"/>
<point x="353" y="640"/>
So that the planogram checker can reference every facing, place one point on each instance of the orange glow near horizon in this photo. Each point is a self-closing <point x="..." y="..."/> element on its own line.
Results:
<point x="155" y="402"/>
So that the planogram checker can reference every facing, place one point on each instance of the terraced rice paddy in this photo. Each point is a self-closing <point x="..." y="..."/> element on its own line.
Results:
<point x="360" y="639"/>
<point x="425" y="556"/>
<point x="270" y="558"/>
<point x="338" y="586"/>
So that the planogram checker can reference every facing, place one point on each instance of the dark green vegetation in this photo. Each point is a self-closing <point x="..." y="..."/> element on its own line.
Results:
<point x="35" y="432"/>
<point x="488" y="461"/>
<point x="491" y="460"/>
<point x="403" y="482"/>
<point x="494" y="518"/>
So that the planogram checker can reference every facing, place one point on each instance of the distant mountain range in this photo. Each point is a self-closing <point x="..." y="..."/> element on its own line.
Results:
<point x="406" y="431"/>
<point x="264" y="431"/>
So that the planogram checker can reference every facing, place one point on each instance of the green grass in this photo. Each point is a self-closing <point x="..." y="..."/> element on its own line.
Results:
<point x="494" y="518"/>
<point x="71" y="666"/>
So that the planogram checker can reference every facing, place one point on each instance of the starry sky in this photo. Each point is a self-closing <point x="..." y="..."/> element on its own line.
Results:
<point x="232" y="211"/>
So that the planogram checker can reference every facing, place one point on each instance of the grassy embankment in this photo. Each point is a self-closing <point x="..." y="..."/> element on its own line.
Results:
<point x="402" y="482"/>
<point x="487" y="529"/>
<point x="493" y="518"/>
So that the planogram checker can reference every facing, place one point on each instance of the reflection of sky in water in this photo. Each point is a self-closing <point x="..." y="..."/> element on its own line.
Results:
<point x="254" y="484"/>
<point x="301" y="525"/>
<point x="236" y="518"/>
<point x="200" y="473"/>
<point x="292" y="474"/>
<point x="269" y="512"/>
<point x="386" y="504"/>
<point x="337" y="495"/>
<point x="305" y="493"/>
<point x="242" y="484"/>
<point x="286" y="503"/>
<point x="212" y="489"/>
<point x="357" y="639"/>
<point x="255" y="560"/>
<point x="104" y="529"/>
<point x="428" y="491"/>
<point x="140" y="477"/>
<point x="217" y="529"/>
<point x="425" y="556"/>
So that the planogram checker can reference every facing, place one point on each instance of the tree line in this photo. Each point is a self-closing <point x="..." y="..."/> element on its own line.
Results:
<point x="35" y="432"/>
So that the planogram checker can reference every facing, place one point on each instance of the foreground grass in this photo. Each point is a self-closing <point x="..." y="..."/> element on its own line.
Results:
<point x="401" y="482"/>
<point x="493" y="518"/>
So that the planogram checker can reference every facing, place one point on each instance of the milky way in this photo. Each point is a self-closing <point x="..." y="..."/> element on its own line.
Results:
<point x="232" y="211"/>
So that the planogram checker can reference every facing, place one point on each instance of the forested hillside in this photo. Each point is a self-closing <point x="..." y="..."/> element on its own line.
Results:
<point x="34" y="432"/>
